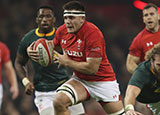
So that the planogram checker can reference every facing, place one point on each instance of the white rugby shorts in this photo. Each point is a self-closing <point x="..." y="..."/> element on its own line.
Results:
<point x="44" y="103"/>
<point x="106" y="91"/>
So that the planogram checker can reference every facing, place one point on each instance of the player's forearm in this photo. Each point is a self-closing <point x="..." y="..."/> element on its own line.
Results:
<point x="82" y="67"/>
<point x="131" y="67"/>
<point x="129" y="99"/>
<point x="131" y="93"/>
<point x="10" y="73"/>
<point x="21" y="72"/>
<point x="132" y="63"/>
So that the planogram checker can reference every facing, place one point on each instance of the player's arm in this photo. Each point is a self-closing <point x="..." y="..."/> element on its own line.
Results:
<point x="131" y="93"/>
<point x="91" y="65"/>
<point x="20" y="63"/>
<point x="11" y="77"/>
<point x="132" y="63"/>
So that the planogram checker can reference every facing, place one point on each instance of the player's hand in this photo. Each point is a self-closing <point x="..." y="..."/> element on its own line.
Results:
<point x="33" y="54"/>
<point x="29" y="88"/>
<point x="132" y="112"/>
<point x="15" y="91"/>
<point x="61" y="59"/>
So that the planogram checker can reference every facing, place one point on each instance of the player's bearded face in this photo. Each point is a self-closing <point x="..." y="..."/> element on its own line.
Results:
<point x="151" y="18"/>
<point x="156" y="65"/>
<point x="45" y="20"/>
<point x="73" y="23"/>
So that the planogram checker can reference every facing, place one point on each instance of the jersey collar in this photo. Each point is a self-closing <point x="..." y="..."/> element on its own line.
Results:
<point x="152" y="71"/>
<point x="42" y="34"/>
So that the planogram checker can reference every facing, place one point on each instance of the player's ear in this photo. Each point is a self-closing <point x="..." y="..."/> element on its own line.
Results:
<point x="151" y="60"/>
<point x="37" y="20"/>
<point x="54" y="19"/>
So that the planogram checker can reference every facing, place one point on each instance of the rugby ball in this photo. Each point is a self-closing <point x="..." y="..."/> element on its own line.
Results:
<point x="45" y="52"/>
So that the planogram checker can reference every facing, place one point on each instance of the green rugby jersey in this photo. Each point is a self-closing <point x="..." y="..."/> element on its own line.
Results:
<point x="45" y="78"/>
<point x="144" y="78"/>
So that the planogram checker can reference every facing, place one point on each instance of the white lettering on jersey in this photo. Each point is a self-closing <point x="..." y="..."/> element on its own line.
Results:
<point x="149" y="44"/>
<point x="74" y="53"/>
<point x="63" y="41"/>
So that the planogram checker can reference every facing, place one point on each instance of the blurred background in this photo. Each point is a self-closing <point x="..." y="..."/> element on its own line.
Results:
<point x="119" y="21"/>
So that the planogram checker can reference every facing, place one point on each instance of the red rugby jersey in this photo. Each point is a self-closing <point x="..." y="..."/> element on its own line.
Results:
<point x="4" y="57"/>
<point x="87" y="42"/>
<point x="143" y="42"/>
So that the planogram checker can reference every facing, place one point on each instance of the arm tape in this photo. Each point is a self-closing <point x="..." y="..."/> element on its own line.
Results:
<point x="129" y="107"/>
<point x="25" y="81"/>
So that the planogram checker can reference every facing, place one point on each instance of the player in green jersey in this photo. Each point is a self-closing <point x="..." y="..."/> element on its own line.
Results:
<point x="46" y="79"/>
<point x="144" y="85"/>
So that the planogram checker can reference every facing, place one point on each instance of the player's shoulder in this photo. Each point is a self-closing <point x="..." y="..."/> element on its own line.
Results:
<point x="31" y="32"/>
<point x="90" y="29"/>
<point x="1" y="43"/>
<point x="88" y="26"/>
<point x="61" y="30"/>
<point x="141" y="34"/>
<point x="28" y="35"/>
<point x="144" y="67"/>
<point x="3" y="46"/>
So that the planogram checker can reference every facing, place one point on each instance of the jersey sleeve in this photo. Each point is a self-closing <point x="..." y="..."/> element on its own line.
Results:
<point x="5" y="54"/>
<point x="135" y="47"/>
<point x="138" y="79"/>
<point x="94" y="43"/>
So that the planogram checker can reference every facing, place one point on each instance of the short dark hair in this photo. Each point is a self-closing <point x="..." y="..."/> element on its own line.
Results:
<point x="74" y="5"/>
<point x="45" y="7"/>
<point x="149" y="5"/>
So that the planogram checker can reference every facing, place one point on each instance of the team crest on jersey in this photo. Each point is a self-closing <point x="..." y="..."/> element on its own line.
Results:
<point x="149" y="44"/>
<point x="79" y="44"/>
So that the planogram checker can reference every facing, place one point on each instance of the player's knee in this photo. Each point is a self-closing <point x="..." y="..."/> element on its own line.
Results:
<point x="58" y="102"/>
<point x="69" y="92"/>
<point x="47" y="111"/>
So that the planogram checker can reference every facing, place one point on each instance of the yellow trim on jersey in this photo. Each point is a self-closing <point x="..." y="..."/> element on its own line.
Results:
<point x="42" y="34"/>
<point x="152" y="71"/>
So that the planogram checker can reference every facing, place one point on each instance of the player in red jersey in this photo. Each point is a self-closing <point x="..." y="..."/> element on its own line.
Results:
<point x="9" y="71"/>
<point x="84" y="51"/>
<point x="144" y="41"/>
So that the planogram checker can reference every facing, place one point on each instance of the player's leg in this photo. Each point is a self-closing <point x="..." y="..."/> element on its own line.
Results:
<point x="108" y="94"/>
<point x="113" y="108"/>
<point x="69" y="94"/>
<point x="43" y="101"/>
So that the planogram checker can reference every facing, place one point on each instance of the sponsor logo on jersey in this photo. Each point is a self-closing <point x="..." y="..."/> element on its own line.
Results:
<point x="149" y="44"/>
<point x="74" y="53"/>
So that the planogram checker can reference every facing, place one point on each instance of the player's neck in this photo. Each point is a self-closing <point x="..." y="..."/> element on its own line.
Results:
<point x="45" y="31"/>
<point x="154" y="30"/>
